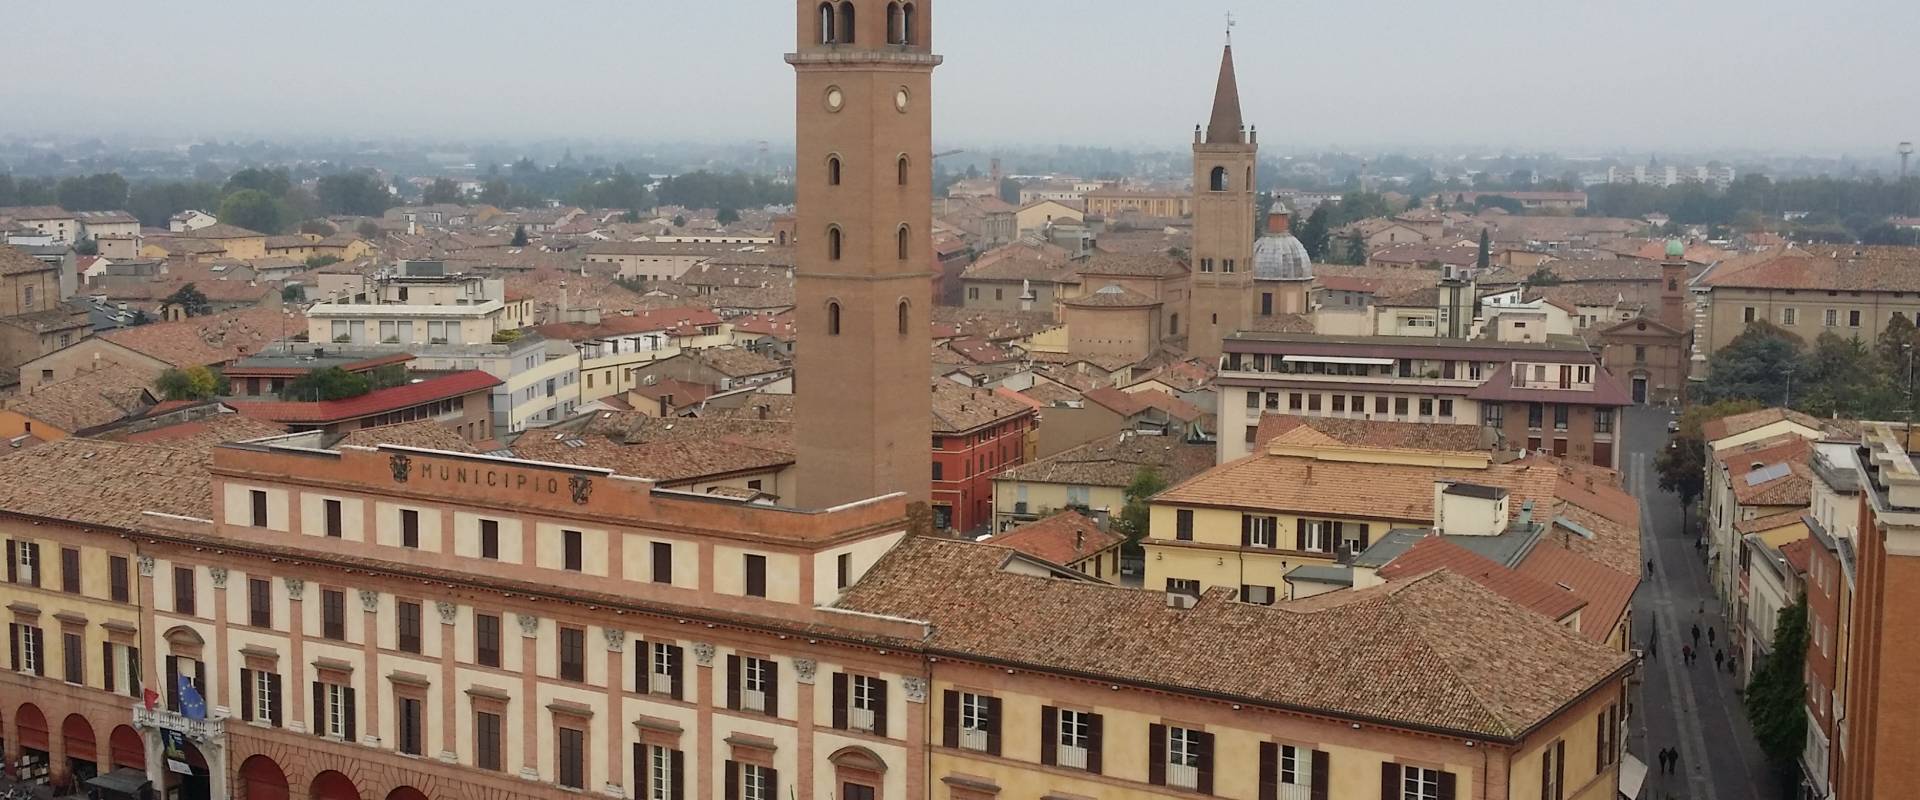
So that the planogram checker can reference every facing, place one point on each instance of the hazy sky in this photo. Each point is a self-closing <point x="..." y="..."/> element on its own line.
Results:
<point x="1572" y="75"/>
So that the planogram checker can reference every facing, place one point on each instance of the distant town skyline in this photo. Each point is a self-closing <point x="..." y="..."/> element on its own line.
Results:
<point x="1631" y="76"/>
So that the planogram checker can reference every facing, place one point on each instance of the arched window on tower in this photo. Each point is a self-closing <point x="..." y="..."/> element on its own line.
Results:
<point x="833" y="243"/>
<point x="908" y="35"/>
<point x="906" y="241"/>
<point x="833" y="318"/>
<point x="1249" y="179"/>
<point x="833" y="170"/>
<point x="894" y="31"/>
<point x="1219" y="181"/>
<point x="906" y="318"/>
<point x="846" y="22"/>
<point x="903" y="170"/>
<point x="827" y="34"/>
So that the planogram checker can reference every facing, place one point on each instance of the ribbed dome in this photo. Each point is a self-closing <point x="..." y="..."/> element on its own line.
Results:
<point x="1281" y="257"/>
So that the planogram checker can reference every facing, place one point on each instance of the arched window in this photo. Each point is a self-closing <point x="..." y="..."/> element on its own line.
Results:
<point x="905" y="318"/>
<point x="903" y="170"/>
<point x="895" y="33"/>
<point x="833" y="318"/>
<point x="833" y="243"/>
<point x="1219" y="181"/>
<point x="827" y="34"/>
<point x="846" y="22"/>
<point x="907" y="34"/>
<point x="906" y="241"/>
<point x="1249" y="179"/>
<point x="833" y="170"/>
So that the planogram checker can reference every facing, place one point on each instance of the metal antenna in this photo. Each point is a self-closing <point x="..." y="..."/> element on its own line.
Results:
<point x="1230" y="24"/>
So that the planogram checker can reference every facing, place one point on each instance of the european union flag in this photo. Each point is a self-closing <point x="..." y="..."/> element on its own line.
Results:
<point x="192" y="705"/>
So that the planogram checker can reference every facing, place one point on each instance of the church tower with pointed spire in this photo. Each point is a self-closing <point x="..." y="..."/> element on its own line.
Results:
<point x="1225" y="173"/>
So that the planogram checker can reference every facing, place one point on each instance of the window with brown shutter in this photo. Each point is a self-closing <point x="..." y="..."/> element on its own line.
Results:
<point x="259" y="602"/>
<point x="410" y="724"/>
<point x="333" y="614"/>
<point x="1157" y="755"/>
<point x="259" y="509"/>
<point x="70" y="570"/>
<point x="843" y="570"/>
<point x="573" y="654"/>
<point x="756" y="575"/>
<point x="183" y="590"/>
<point x="406" y="621"/>
<point x="334" y="527"/>
<point x="73" y="657"/>
<point x="573" y="758"/>
<point x="486" y="640"/>
<point x="1183" y="524"/>
<point x="486" y="740"/>
<point x="120" y="579"/>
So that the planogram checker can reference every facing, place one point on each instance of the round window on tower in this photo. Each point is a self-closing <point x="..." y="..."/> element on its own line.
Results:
<point x="900" y="100"/>
<point x="836" y="99"/>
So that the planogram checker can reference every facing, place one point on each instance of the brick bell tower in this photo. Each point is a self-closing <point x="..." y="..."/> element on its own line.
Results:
<point x="862" y="406"/>
<point x="1225" y="157"/>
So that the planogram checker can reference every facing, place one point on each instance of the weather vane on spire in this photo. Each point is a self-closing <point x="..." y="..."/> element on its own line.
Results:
<point x="1230" y="24"/>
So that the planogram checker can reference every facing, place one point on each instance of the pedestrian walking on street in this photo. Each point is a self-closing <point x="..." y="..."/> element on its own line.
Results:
<point x="1709" y="634"/>
<point x="1666" y="759"/>
<point x="1686" y="654"/>
<point x="1649" y="567"/>
<point x="1696" y="634"/>
<point x="1719" y="660"/>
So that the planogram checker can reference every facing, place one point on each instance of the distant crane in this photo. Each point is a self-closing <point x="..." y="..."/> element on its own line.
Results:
<point x="938" y="156"/>
<point x="1906" y="152"/>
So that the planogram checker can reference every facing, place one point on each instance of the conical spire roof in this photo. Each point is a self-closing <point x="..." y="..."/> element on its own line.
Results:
<point x="1224" y="127"/>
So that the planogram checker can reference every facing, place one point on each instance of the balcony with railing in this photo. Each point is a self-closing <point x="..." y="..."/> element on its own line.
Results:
<point x="973" y="739"/>
<point x="1182" y="776"/>
<point x="753" y="700"/>
<point x="660" y="684"/>
<point x="1072" y="757"/>
<point x="860" y="719"/>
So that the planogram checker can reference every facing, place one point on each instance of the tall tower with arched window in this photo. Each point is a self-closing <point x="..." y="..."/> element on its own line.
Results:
<point x="1224" y="177"/>
<point x="862" y="407"/>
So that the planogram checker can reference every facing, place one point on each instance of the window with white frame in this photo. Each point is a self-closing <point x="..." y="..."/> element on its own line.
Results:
<point x="1261" y="531"/>
<point x="1789" y="316"/>
<point x="1183" y="757"/>
<point x="337" y="708"/>
<point x="1075" y="738"/>
<point x="866" y="701"/>
<point x="264" y="697"/>
<point x="1314" y="538"/>
<point x="1419" y="783"/>
<point x="975" y="718"/>
<point x="659" y="773"/>
<point x="756" y="782"/>
<point x="664" y="666"/>
<point x="1833" y="317"/>
<point x="31" y="650"/>
<point x="1296" y="766"/>
<point x="28" y="557"/>
<point x="753" y="683"/>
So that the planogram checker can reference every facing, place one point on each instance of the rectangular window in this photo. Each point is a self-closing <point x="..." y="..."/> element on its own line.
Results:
<point x="756" y="575"/>
<point x="486" y="640"/>
<point x="573" y="654"/>
<point x="262" y="691"/>
<point x="1339" y="404"/>
<point x="1074" y="738"/>
<point x="1419" y="783"/>
<point x="1493" y="415"/>
<point x="490" y="539"/>
<point x="120" y="579"/>
<point x="259" y="499"/>
<point x="663" y="677"/>
<point x="1789" y="316"/>
<point x="1313" y="402"/>
<point x="1536" y="415"/>
<point x="1183" y="525"/>
<point x="843" y="570"/>
<point x="486" y="740"/>
<point x="334" y="527"/>
<point x="866" y="696"/>
<point x="27" y="564"/>
<point x="1401" y="406"/>
<point x="757" y="782"/>
<point x="72" y="658"/>
<point x="1253" y="399"/>
<point x="663" y="771"/>
<point x="1257" y="595"/>
<point x="1853" y="319"/>
<point x="183" y="600"/>
<point x="1184" y="757"/>
<point x="260" y="602"/>
<point x="70" y="570"/>
<point x="572" y="753"/>
<point x="976" y="720"/>
<point x="29" y="659"/>
<point x="1833" y="317"/>
<point x="1426" y="406"/>
<point x="1603" y="420"/>
<point x="1446" y="409"/>
<point x="412" y="716"/>
<point x="1261" y="531"/>
<point x="1559" y="417"/>
<point x="662" y="557"/>
<point x="571" y="544"/>
<point x="336" y="707"/>
<point x="333" y="614"/>
<point x="1553" y="772"/>
<point x="406" y="620"/>
<point x="757" y="690"/>
<point x="409" y="528"/>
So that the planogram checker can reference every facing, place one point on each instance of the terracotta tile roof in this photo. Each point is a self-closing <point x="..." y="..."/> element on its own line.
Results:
<point x="87" y="400"/>
<point x="1439" y="651"/>
<point x="1797" y="553"/>
<point x="1393" y="492"/>
<point x="666" y="462"/>
<point x="1114" y="460"/>
<point x="958" y="409"/>
<point x="1715" y="430"/>
<point x="209" y="340"/>
<point x="998" y="326"/>
<point x="1436" y="552"/>
<point x="742" y="426"/>
<point x="981" y="351"/>
<point x="105" y="483"/>
<point x="1280" y="323"/>
<point x="14" y="261"/>
<point x="1061" y="539"/>
<point x="1498" y="387"/>
<point x="1771" y="521"/>
<point x="1822" y="268"/>
<point x="426" y="434"/>
<point x="1428" y="436"/>
<point x="777" y="325"/>
<point x="379" y="401"/>
<point x="1614" y="544"/>
<point x="1131" y="264"/>
<point x="222" y="231"/>
<point x="201" y="436"/>
<point x="1606" y="591"/>
<point x="35" y="213"/>
<point x="675" y="321"/>
<point x="735" y="362"/>
<point x="1041" y="263"/>
<point x="1049" y="393"/>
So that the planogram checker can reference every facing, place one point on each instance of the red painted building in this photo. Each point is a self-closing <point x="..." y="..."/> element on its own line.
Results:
<point x="977" y="434"/>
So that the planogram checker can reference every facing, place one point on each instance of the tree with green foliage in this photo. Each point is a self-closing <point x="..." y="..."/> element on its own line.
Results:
<point x="1314" y="232"/>
<point x="360" y="193"/>
<point x="726" y="216"/>
<point x="1485" y="258"/>
<point x="104" y="191"/>
<point x="318" y="227"/>
<point x="1133" y="523"/>
<point x="519" y="236"/>
<point x="679" y="220"/>
<point x="330" y="383"/>
<point x="368" y="230"/>
<point x="1543" y="277"/>
<point x="1356" y="249"/>
<point x="496" y="192"/>
<point x="318" y="261"/>
<point x="1776" y="699"/>
<point x="1009" y="190"/>
<point x="192" y="383"/>
<point x="1898" y="343"/>
<point x="251" y="209"/>
<point x="274" y="182"/>
<point x="86" y="247"/>
<point x="1844" y="377"/>
<point x="1682" y="467"/>
<point x="190" y="300"/>
<point x="1751" y="367"/>
<point x="293" y="293"/>
<point x="155" y="202"/>
<point x="442" y="190"/>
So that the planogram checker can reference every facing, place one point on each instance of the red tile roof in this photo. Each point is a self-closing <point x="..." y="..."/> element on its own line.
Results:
<point x="376" y="402"/>
<point x="1061" y="539"/>
<point x="1435" y="552"/>
<point x="1607" y="591"/>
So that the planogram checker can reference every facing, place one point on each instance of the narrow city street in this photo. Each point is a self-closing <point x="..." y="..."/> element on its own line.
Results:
<point x="1692" y="708"/>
